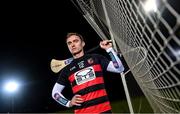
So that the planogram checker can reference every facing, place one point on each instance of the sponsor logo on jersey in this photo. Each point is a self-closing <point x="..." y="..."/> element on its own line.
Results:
<point x="84" y="75"/>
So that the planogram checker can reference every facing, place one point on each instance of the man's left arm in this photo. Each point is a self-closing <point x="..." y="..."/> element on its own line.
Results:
<point x="115" y="65"/>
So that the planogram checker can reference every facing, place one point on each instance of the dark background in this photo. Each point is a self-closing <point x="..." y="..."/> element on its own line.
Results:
<point x="31" y="35"/>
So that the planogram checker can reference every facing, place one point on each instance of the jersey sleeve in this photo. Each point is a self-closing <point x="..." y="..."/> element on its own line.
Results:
<point x="103" y="61"/>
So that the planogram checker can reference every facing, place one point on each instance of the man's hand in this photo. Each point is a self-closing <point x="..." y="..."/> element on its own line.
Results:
<point x="106" y="44"/>
<point x="76" y="100"/>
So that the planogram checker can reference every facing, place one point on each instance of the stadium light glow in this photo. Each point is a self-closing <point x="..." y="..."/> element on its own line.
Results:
<point x="11" y="86"/>
<point x="150" y="5"/>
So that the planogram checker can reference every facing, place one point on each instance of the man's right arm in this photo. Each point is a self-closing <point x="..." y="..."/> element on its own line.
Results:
<point x="57" y="95"/>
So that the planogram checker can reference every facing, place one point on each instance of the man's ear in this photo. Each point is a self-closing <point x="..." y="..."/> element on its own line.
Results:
<point x="83" y="43"/>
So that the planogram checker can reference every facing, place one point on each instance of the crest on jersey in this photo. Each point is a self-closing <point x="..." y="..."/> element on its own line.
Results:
<point x="90" y="61"/>
<point x="84" y="75"/>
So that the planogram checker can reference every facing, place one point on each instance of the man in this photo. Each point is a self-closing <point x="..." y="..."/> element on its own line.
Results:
<point x="85" y="74"/>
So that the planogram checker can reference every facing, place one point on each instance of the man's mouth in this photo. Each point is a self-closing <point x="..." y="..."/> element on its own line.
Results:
<point x="73" y="49"/>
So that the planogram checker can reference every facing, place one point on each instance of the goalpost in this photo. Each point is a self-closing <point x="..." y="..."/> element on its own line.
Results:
<point x="148" y="41"/>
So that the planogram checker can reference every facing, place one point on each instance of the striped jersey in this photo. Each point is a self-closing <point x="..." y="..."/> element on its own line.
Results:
<point x="85" y="75"/>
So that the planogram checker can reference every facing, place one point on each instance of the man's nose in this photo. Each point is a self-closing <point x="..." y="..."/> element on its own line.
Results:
<point x="72" y="45"/>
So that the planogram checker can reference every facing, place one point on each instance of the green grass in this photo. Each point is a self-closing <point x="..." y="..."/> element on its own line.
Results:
<point x="140" y="105"/>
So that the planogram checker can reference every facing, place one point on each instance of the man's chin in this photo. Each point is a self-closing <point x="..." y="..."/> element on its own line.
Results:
<point x="76" y="52"/>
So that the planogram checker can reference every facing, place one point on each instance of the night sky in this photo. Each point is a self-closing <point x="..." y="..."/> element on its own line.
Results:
<point x="31" y="35"/>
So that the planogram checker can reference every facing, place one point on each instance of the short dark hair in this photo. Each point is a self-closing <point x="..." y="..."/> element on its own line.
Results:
<point x="74" y="33"/>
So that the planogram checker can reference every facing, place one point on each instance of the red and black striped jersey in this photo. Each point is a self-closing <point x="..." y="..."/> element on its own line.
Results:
<point x="85" y="75"/>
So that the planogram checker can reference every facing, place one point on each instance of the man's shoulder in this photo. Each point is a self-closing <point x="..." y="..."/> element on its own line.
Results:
<point x="65" y="69"/>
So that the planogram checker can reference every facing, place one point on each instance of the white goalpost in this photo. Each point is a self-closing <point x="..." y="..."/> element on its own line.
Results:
<point x="148" y="40"/>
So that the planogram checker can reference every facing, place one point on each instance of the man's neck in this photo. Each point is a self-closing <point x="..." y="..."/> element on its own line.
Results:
<point x="78" y="55"/>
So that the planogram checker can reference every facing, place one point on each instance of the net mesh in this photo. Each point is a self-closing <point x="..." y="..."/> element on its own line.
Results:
<point x="149" y="42"/>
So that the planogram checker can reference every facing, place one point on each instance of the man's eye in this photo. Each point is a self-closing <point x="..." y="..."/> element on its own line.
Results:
<point x="76" y="41"/>
<point x="69" y="43"/>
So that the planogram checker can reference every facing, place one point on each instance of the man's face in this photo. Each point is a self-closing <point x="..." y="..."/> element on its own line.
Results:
<point x="75" y="44"/>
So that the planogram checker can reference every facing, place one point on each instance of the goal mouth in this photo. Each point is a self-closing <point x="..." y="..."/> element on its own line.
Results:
<point x="149" y="42"/>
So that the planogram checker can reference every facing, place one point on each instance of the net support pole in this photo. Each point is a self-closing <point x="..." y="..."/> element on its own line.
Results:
<point x="127" y="93"/>
<point x="115" y="47"/>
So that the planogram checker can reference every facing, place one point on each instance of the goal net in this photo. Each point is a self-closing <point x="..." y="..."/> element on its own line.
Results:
<point x="148" y="41"/>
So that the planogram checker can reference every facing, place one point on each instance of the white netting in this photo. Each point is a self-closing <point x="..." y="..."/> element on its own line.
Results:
<point x="149" y="42"/>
